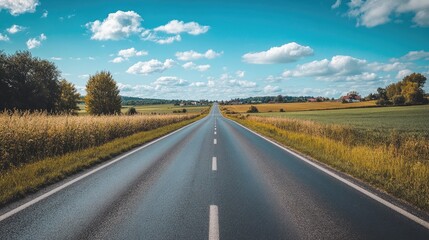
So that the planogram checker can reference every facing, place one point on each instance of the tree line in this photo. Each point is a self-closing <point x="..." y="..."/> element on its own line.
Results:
<point x="29" y="83"/>
<point x="408" y="91"/>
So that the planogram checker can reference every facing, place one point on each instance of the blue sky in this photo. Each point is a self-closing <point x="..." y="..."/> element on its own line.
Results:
<point x="225" y="49"/>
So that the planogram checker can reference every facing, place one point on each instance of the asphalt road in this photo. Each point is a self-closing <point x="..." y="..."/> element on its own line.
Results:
<point x="210" y="180"/>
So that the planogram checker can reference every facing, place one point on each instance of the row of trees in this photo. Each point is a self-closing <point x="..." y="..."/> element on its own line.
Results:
<point x="409" y="91"/>
<point x="32" y="84"/>
<point x="29" y="83"/>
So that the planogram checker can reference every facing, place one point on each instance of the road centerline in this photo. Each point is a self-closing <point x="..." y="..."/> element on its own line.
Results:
<point x="214" y="164"/>
<point x="214" y="223"/>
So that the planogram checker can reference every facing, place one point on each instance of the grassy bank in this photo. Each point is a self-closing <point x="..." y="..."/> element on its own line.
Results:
<point x="17" y="182"/>
<point x="396" y="163"/>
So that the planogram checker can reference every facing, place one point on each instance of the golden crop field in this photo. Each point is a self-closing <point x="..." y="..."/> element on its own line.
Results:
<point x="31" y="137"/>
<point x="295" y="107"/>
<point x="157" y="108"/>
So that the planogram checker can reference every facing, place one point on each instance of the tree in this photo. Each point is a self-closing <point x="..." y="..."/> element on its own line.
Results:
<point x="102" y="95"/>
<point x="28" y="83"/>
<point x="417" y="78"/>
<point x="382" y="94"/>
<point x="394" y="89"/>
<point x="253" y="109"/>
<point x="279" y="99"/>
<point x="68" y="99"/>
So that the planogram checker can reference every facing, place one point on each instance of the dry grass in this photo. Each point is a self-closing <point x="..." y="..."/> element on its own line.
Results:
<point x="394" y="162"/>
<point x="295" y="107"/>
<point x="31" y="137"/>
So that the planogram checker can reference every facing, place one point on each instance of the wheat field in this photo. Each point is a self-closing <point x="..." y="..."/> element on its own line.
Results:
<point x="29" y="137"/>
<point x="295" y="107"/>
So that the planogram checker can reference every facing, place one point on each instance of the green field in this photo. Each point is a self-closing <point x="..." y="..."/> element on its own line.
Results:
<point x="149" y="109"/>
<point x="411" y="119"/>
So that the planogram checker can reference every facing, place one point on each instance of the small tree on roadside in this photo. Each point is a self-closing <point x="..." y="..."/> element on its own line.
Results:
<point x="68" y="99"/>
<point x="102" y="95"/>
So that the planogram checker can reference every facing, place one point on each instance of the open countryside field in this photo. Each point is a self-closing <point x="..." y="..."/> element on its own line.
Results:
<point x="294" y="107"/>
<point x="159" y="108"/>
<point x="409" y="119"/>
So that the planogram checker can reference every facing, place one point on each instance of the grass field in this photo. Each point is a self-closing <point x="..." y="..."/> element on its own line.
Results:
<point x="159" y="109"/>
<point x="410" y="119"/>
<point x="294" y="107"/>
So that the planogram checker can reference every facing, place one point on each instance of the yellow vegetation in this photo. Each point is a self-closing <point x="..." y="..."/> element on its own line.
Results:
<point x="396" y="163"/>
<point x="293" y="107"/>
<point x="31" y="137"/>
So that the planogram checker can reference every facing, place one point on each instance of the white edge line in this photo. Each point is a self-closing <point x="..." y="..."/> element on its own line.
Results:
<point x="347" y="182"/>
<point x="215" y="141"/>
<point x="59" y="188"/>
<point x="214" y="223"/>
<point x="214" y="164"/>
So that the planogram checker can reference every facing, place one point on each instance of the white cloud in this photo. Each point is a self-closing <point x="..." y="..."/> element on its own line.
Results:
<point x="241" y="83"/>
<point x="337" y="66"/>
<point x="56" y="58"/>
<point x="272" y="89"/>
<point x="36" y="42"/>
<point x="117" y="60"/>
<point x="151" y="66"/>
<point x="240" y="73"/>
<point x="91" y="58"/>
<point x="386" y="67"/>
<point x="44" y="14"/>
<point x="149" y="35"/>
<point x="131" y="52"/>
<point x="372" y="13"/>
<point x="403" y="73"/>
<point x="193" y="66"/>
<point x="125" y="54"/>
<point x="15" y="29"/>
<point x="19" y="7"/>
<point x="178" y="27"/>
<point x="4" y="38"/>
<point x="289" y="52"/>
<point x="170" y="81"/>
<point x="416" y="55"/>
<point x="366" y="76"/>
<point x="193" y="55"/>
<point x="198" y="84"/>
<point x="336" y="4"/>
<point x="118" y="25"/>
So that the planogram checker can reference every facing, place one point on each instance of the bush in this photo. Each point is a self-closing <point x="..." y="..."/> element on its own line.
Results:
<point x="184" y="110"/>
<point x="383" y="102"/>
<point x="282" y="110"/>
<point x="398" y="100"/>
<point x="253" y="109"/>
<point x="131" y="111"/>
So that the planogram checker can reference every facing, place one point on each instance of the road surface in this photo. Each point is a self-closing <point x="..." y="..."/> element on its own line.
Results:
<point x="211" y="180"/>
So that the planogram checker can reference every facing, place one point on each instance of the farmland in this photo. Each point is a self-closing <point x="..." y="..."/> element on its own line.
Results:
<point x="410" y="119"/>
<point x="151" y="109"/>
<point x="294" y="107"/>
<point x="386" y="147"/>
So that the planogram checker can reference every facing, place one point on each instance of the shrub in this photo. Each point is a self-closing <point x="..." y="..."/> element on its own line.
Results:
<point x="253" y="109"/>
<point x="131" y="111"/>
<point x="398" y="100"/>
<point x="282" y="110"/>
